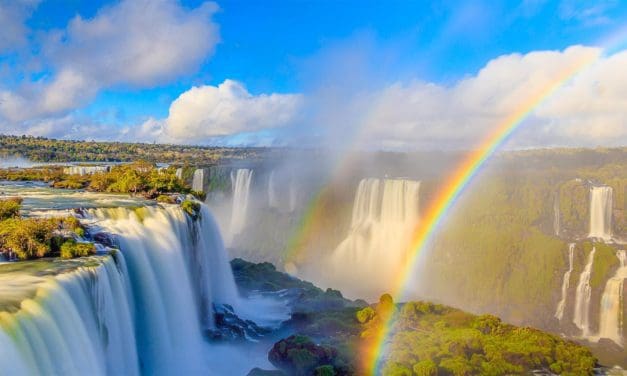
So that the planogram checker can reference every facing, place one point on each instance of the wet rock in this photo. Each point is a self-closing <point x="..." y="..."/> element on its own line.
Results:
<point x="229" y="326"/>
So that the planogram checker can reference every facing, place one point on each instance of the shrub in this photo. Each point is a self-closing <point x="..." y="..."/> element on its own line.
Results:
<point x="165" y="199"/>
<point x="71" y="249"/>
<point x="200" y="195"/>
<point x="365" y="315"/>
<point x="28" y="238"/>
<point x="191" y="207"/>
<point x="10" y="208"/>
<point x="425" y="368"/>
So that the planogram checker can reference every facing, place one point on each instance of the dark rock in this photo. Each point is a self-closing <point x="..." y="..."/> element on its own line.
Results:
<point x="104" y="238"/>
<point x="229" y="326"/>
<point x="298" y="355"/>
<point x="263" y="372"/>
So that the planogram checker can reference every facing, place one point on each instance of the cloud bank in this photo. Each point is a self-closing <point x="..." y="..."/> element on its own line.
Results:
<point x="589" y="110"/>
<point x="347" y="101"/>
<point x="134" y="43"/>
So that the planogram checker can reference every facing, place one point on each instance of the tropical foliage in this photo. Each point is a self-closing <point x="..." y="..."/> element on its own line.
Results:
<point x="29" y="238"/>
<point x="41" y="149"/>
<point x="432" y="339"/>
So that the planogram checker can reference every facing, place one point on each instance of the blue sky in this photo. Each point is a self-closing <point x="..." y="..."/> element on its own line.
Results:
<point x="294" y="50"/>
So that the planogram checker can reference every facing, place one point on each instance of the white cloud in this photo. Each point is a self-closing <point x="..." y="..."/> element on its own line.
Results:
<point x="205" y="112"/>
<point x="141" y="43"/>
<point x="589" y="110"/>
<point x="136" y="42"/>
<point x="13" y="14"/>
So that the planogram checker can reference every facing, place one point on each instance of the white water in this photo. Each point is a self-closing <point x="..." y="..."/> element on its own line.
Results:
<point x="78" y="323"/>
<point x="293" y="195"/>
<point x="581" y="317"/>
<point x="385" y="212"/>
<point x="142" y="313"/>
<point x="612" y="304"/>
<point x="198" y="181"/>
<point x="559" y="313"/>
<point x="85" y="170"/>
<point x="240" y="182"/>
<point x="601" y="213"/>
<point x="179" y="173"/>
<point x="273" y="201"/>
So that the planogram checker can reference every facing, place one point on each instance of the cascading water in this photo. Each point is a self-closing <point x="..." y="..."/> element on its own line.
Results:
<point x="293" y="195"/>
<point x="559" y="313"/>
<point x="85" y="170"/>
<point x="385" y="212"/>
<point x="138" y="311"/>
<point x="152" y="233"/>
<point x="77" y="323"/>
<point x="601" y="213"/>
<point x="179" y="173"/>
<point x="198" y="181"/>
<point x="612" y="304"/>
<point x="240" y="181"/>
<point x="273" y="202"/>
<point x="581" y="316"/>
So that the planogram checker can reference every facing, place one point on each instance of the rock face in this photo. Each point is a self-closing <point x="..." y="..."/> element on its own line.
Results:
<point x="298" y="355"/>
<point x="229" y="326"/>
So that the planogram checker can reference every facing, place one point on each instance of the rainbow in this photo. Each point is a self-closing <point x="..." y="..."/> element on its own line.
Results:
<point x="450" y="192"/>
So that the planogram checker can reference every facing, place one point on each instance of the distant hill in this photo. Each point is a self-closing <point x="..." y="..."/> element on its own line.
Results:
<point x="39" y="149"/>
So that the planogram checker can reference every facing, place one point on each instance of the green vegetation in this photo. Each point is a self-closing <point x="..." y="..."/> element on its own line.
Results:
<point x="425" y="338"/>
<point x="10" y="208"/>
<point x="139" y="177"/>
<point x="300" y="356"/>
<point x="191" y="207"/>
<point x="31" y="238"/>
<point x="40" y="149"/>
<point x="605" y="261"/>
<point x="432" y="339"/>
<point x="71" y="249"/>
<point x="45" y="174"/>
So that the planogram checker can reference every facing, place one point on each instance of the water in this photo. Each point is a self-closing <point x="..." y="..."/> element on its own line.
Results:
<point x="612" y="303"/>
<point x="15" y="161"/>
<point x="75" y="323"/>
<point x="85" y="170"/>
<point x="273" y="201"/>
<point x="179" y="173"/>
<point x="559" y="312"/>
<point x="385" y="213"/>
<point x="141" y="310"/>
<point x="293" y="195"/>
<point x="41" y="200"/>
<point x="601" y="213"/>
<point x="581" y="317"/>
<point x="240" y="181"/>
<point x="198" y="181"/>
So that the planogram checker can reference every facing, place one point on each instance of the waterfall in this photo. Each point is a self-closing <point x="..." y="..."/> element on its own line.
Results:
<point x="167" y="235"/>
<point x="556" y="216"/>
<point x="612" y="304"/>
<point x="559" y="313"/>
<point x="198" y="181"/>
<point x="385" y="213"/>
<point x="293" y="195"/>
<point x="179" y="173"/>
<point x="581" y="316"/>
<point x="77" y="323"/>
<point x="272" y="197"/>
<point x="240" y="181"/>
<point x="85" y="170"/>
<point x="601" y="213"/>
<point x="140" y="310"/>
